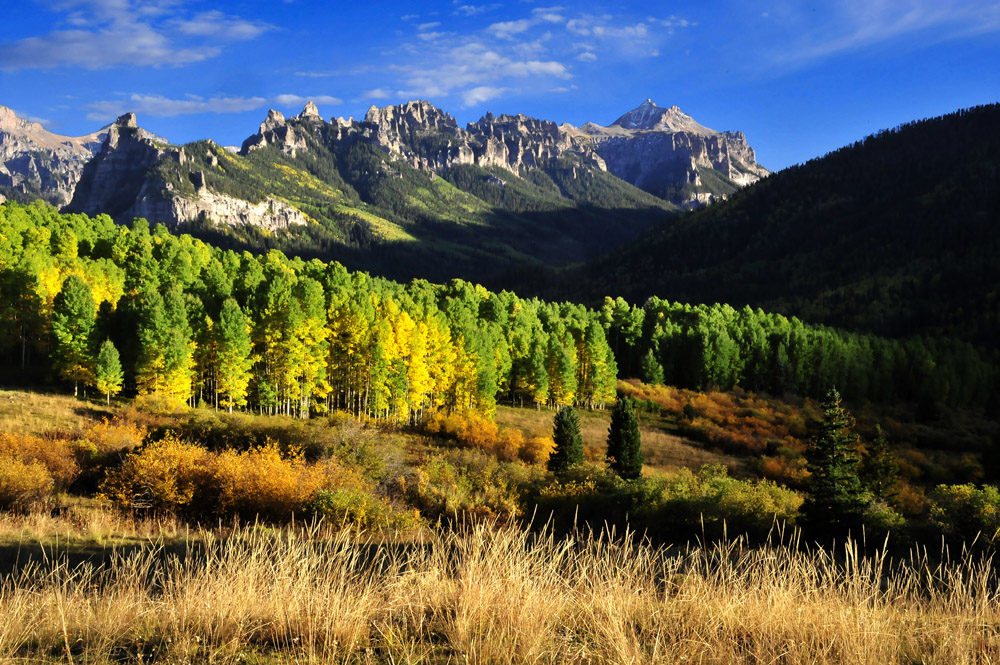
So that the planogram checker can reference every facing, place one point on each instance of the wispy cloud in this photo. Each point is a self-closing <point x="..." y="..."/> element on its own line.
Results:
<point x="536" y="51"/>
<point x="377" y="93"/>
<point x="850" y="25"/>
<point x="473" y="10"/>
<point x="165" y="107"/>
<point x="101" y="34"/>
<point x="481" y="94"/>
<point x="299" y="100"/>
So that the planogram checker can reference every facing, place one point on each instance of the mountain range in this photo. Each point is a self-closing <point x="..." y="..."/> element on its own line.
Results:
<point x="405" y="191"/>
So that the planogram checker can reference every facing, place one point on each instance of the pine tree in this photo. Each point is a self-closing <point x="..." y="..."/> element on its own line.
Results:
<point x="650" y="369"/>
<point x="624" y="441"/>
<point x="73" y="316"/>
<point x="569" y="442"/>
<point x="879" y="468"/>
<point x="108" y="375"/>
<point x="835" y="495"/>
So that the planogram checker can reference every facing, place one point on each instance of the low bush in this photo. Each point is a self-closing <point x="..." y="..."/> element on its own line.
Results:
<point x="56" y="455"/>
<point x="967" y="512"/>
<point x="23" y="484"/>
<point x="352" y="506"/>
<point x="168" y="474"/>
<point x="463" y="485"/>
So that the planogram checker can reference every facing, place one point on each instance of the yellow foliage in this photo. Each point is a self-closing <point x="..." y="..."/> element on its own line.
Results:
<point x="260" y="482"/>
<point x="166" y="475"/>
<point x="55" y="455"/>
<point x="537" y="449"/>
<point x="111" y="436"/>
<point x="23" y="483"/>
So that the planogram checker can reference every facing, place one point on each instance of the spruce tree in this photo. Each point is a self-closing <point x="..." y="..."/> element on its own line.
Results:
<point x="650" y="369"/>
<point x="108" y="375"/>
<point x="73" y="316"/>
<point x="835" y="495"/>
<point x="624" y="441"/>
<point x="879" y="468"/>
<point x="569" y="443"/>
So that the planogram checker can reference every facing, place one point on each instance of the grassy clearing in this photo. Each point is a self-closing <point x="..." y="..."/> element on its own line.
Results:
<point x="664" y="450"/>
<point x="496" y="595"/>
<point x="43" y="413"/>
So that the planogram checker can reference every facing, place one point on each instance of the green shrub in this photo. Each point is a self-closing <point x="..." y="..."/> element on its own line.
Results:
<point x="358" y="507"/>
<point x="966" y="511"/>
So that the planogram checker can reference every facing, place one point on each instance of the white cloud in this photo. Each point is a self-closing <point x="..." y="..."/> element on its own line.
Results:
<point x="165" y="107"/>
<point x="586" y="56"/>
<point x="160" y="106"/>
<point x="481" y="94"/>
<point x="377" y="93"/>
<point x="299" y="100"/>
<point x="473" y="10"/>
<point x="507" y="29"/>
<point x="217" y="25"/>
<point x="851" y="24"/>
<point x="427" y="26"/>
<point x="110" y="33"/>
<point x="431" y="36"/>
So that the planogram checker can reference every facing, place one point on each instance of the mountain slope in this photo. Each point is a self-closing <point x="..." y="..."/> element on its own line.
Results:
<point x="898" y="233"/>
<point x="354" y="192"/>
<point x="35" y="163"/>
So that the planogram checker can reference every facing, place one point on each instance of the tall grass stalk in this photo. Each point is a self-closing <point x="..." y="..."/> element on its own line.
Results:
<point x="496" y="595"/>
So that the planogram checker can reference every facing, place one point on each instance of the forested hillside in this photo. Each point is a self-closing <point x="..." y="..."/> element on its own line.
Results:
<point x="897" y="234"/>
<point x="94" y="303"/>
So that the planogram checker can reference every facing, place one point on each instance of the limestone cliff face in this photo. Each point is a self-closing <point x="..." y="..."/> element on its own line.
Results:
<point x="662" y="150"/>
<point x="36" y="162"/>
<point x="121" y="181"/>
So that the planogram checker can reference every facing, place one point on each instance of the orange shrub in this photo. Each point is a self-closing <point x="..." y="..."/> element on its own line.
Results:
<point x="166" y="475"/>
<point x="509" y="443"/>
<point x="112" y="436"/>
<point x="260" y="482"/>
<point x="23" y="483"/>
<point x="537" y="449"/>
<point x="55" y="455"/>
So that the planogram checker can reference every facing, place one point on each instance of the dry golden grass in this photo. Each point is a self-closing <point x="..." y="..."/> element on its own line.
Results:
<point x="487" y="595"/>
<point x="41" y="413"/>
<point x="664" y="451"/>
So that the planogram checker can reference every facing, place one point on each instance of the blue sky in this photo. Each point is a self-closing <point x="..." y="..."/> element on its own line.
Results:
<point x="799" y="78"/>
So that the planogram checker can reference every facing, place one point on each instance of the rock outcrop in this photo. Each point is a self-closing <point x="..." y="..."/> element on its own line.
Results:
<point x="661" y="150"/>
<point x="122" y="181"/>
<point x="35" y="162"/>
<point x="664" y="151"/>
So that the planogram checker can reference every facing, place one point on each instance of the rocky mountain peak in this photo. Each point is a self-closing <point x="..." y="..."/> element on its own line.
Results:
<point x="9" y="120"/>
<point x="37" y="162"/>
<point x="127" y="120"/>
<point x="309" y="112"/>
<point x="418" y="114"/>
<point x="273" y="120"/>
<point x="650" y="117"/>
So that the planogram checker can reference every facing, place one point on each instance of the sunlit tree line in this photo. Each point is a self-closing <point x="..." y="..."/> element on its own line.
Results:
<point x="718" y="346"/>
<point x="267" y="333"/>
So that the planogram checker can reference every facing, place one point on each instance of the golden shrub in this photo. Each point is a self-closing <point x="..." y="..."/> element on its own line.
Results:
<point x="509" y="443"/>
<point x="23" y="483"/>
<point x="537" y="449"/>
<point x="261" y="482"/>
<point x="55" y="455"/>
<point x="112" y="436"/>
<point x="168" y="474"/>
